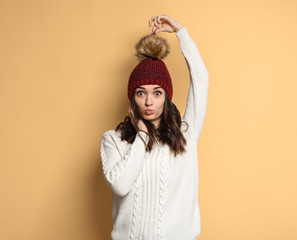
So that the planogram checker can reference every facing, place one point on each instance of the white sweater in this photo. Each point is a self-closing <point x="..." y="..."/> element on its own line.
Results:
<point x="155" y="195"/>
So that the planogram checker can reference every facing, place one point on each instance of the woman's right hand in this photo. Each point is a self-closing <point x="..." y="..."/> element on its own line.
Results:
<point x="140" y="124"/>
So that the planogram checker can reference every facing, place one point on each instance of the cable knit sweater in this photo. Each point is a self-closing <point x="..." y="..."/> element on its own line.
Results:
<point x="155" y="195"/>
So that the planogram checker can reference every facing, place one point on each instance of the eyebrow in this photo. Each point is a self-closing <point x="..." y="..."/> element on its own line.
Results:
<point x="144" y="88"/>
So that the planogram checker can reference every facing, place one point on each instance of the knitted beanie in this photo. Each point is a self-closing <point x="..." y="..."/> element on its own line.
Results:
<point x="151" y="70"/>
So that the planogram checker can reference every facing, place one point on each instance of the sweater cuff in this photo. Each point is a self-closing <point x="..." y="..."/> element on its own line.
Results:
<point x="144" y="136"/>
<point x="183" y="34"/>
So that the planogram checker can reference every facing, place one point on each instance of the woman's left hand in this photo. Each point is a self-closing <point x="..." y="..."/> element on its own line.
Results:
<point x="164" y="23"/>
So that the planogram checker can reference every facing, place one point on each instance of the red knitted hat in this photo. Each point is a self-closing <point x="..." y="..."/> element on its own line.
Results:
<point x="151" y="70"/>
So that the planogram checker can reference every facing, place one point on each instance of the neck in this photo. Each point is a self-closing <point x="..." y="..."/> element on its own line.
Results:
<point x="156" y="123"/>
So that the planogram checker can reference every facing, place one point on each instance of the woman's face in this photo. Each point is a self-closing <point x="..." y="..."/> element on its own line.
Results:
<point x="150" y="101"/>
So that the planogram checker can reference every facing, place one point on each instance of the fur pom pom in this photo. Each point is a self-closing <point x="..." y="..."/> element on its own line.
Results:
<point x="152" y="45"/>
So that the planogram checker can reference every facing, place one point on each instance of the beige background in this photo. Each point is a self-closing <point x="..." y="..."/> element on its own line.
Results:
<point x="63" y="78"/>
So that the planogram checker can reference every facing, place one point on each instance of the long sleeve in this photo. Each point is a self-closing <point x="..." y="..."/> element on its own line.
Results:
<point x="199" y="81"/>
<point x="121" y="172"/>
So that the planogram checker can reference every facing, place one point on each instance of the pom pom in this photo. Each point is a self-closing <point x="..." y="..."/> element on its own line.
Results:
<point x="152" y="45"/>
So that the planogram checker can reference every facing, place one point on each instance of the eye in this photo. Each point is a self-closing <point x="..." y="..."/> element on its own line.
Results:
<point x="158" y="93"/>
<point x="140" y="93"/>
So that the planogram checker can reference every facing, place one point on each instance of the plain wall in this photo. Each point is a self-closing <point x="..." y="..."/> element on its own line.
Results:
<point x="64" y="68"/>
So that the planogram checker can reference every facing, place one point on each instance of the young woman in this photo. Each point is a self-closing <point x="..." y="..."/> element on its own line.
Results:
<point x="150" y="160"/>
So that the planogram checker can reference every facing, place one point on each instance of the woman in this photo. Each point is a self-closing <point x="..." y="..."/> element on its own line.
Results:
<point x="150" y="160"/>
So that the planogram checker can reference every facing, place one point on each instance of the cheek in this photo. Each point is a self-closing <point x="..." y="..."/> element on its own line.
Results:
<point x="161" y="105"/>
<point x="139" y="103"/>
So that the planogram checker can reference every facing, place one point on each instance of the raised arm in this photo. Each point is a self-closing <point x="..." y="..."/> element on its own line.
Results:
<point x="197" y="96"/>
<point x="120" y="172"/>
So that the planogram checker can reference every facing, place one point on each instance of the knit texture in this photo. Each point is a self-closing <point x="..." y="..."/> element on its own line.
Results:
<point x="155" y="195"/>
<point x="150" y="71"/>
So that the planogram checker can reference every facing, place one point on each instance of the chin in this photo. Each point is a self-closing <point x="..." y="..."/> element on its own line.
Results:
<point x="149" y="118"/>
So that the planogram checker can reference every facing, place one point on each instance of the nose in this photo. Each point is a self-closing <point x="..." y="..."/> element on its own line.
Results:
<point x="148" y="100"/>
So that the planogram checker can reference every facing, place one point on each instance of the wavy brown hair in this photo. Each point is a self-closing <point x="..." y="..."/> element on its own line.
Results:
<point x="169" y="131"/>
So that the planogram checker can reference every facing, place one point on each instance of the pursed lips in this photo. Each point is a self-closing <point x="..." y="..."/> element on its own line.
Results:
<point x="148" y="111"/>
